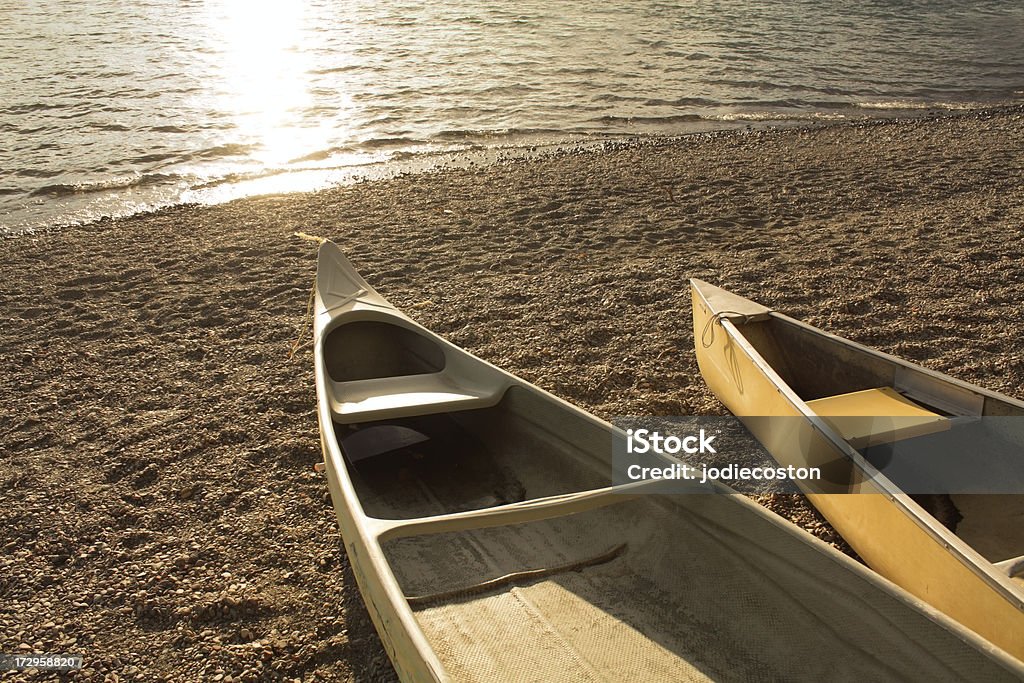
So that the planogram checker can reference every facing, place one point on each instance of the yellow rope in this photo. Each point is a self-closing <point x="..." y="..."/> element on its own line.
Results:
<point x="307" y="320"/>
<point x="707" y="340"/>
<point x="309" y="238"/>
<point x="306" y="324"/>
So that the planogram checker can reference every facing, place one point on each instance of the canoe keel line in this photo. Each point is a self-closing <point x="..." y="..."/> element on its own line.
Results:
<point x="488" y="545"/>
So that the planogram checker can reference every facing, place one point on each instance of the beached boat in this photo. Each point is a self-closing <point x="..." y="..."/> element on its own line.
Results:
<point x="883" y="428"/>
<point x="488" y="545"/>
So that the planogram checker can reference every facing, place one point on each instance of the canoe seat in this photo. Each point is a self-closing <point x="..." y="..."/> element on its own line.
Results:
<point x="877" y="416"/>
<point x="386" y="398"/>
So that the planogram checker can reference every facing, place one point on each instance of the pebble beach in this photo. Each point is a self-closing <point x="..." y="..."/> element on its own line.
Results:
<point x="159" y="509"/>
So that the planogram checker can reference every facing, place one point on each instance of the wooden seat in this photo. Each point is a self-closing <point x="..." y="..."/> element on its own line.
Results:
<point x="877" y="416"/>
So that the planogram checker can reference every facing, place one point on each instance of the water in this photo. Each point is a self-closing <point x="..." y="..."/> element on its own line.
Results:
<point x="107" y="107"/>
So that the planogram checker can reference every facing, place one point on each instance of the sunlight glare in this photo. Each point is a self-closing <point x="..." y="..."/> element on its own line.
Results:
<point x="265" y="73"/>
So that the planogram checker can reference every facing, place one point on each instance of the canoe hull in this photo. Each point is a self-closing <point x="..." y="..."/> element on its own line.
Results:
<point x="890" y="531"/>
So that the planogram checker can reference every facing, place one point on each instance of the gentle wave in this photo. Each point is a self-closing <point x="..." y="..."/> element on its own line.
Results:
<point x="121" y="183"/>
<point x="676" y="118"/>
<point x="909" y="105"/>
<point x="162" y="102"/>
<point x="478" y="135"/>
<point x="378" y="143"/>
<point x="770" y="116"/>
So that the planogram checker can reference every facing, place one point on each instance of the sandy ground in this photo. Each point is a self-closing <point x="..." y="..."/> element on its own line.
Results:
<point x="160" y="512"/>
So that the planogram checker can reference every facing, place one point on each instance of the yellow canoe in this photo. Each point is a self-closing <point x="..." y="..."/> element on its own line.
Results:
<point x="488" y="545"/>
<point x="842" y="398"/>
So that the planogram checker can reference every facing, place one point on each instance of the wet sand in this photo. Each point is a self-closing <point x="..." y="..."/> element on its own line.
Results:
<point x="160" y="511"/>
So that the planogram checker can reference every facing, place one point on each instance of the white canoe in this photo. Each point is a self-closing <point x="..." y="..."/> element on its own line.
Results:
<point x="814" y="399"/>
<point x="488" y="545"/>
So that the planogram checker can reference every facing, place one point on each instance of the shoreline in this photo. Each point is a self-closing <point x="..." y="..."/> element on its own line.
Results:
<point x="158" y="438"/>
<point x="545" y="144"/>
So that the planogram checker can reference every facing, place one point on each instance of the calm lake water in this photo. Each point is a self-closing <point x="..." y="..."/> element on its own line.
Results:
<point x="110" y="107"/>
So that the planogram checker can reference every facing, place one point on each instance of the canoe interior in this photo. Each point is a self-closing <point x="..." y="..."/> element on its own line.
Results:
<point x="371" y="349"/>
<point x="816" y="366"/>
<point x="698" y="591"/>
<point x="992" y="524"/>
<point x="813" y="365"/>
<point x="521" y="449"/>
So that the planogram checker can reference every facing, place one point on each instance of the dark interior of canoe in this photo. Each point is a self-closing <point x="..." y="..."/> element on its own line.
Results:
<point x="656" y="587"/>
<point x="966" y="471"/>
<point x="474" y="459"/>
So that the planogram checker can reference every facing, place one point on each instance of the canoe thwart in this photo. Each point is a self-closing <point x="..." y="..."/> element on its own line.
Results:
<point x="877" y="416"/>
<point x="386" y="398"/>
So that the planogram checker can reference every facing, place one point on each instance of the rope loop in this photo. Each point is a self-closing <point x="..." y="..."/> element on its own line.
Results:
<point x="707" y="339"/>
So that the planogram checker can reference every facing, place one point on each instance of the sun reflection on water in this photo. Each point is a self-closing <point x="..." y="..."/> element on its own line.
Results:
<point x="265" y="70"/>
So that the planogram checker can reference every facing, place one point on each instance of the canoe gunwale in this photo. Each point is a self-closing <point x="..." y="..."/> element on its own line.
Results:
<point x="363" y="548"/>
<point x="816" y="421"/>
